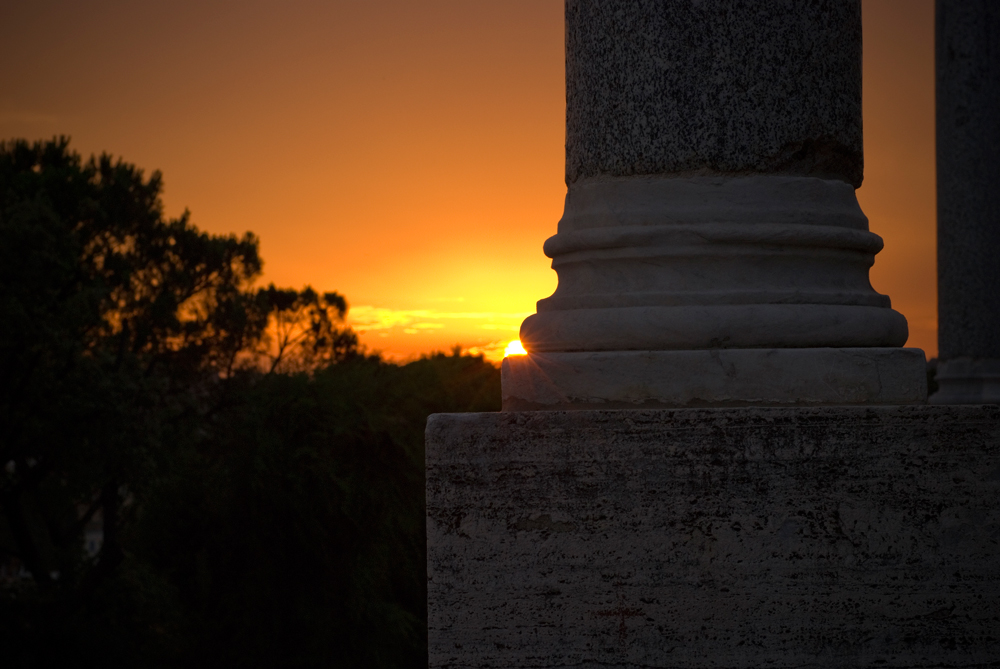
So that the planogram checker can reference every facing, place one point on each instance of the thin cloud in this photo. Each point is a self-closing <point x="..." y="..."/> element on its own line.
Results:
<point x="364" y="318"/>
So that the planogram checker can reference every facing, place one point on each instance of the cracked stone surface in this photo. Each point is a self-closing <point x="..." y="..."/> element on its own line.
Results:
<point x="820" y="537"/>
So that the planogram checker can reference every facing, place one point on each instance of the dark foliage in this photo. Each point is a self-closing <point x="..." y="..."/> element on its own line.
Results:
<point x="257" y="478"/>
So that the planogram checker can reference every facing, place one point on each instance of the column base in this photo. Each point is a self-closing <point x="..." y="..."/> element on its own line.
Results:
<point x="968" y="381"/>
<point x="716" y="377"/>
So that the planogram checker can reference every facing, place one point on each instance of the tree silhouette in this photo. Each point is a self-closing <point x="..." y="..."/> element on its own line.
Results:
<point x="303" y="330"/>
<point x="257" y="477"/>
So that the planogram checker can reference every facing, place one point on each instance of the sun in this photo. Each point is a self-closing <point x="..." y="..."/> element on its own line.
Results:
<point x="514" y="348"/>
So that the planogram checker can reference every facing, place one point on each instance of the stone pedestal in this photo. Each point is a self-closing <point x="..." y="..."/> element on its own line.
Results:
<point x="825" y="537"/>
<point x="724" y="377"/>
<point x="968" y="174"/>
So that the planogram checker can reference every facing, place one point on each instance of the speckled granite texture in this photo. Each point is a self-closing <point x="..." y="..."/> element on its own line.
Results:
<point x="713" y="87"/>
<point x="835" y="537"/>
<point x="968" y="174"/>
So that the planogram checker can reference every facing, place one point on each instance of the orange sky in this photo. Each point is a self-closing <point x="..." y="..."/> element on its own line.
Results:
<point x="407" y="154"/>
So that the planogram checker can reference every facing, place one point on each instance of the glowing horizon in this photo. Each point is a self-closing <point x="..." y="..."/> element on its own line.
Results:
<point x="481" y="333"/>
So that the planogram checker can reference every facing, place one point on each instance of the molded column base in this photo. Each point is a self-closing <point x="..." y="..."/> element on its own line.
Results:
<point x="968" y="381"/>
<point x="714" y="377"/>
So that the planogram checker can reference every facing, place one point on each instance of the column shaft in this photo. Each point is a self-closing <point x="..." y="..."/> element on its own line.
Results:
<point x="968" y="175"/>
<point x="718" y="87"/>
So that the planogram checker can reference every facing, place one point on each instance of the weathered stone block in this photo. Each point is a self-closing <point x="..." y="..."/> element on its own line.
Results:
<point x="811" y="537"/>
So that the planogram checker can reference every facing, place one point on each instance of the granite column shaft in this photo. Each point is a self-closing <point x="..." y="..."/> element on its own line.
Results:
<point x="968" y="175"/>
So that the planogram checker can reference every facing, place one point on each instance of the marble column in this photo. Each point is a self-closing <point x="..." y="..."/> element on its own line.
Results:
<point x="968" y="174"/>
<point x="712" y="251"/>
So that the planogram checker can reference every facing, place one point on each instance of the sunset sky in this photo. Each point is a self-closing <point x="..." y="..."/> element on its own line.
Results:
<point x="408" y="154"/>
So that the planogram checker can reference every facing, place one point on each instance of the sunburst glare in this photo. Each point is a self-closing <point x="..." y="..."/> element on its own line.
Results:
<point x="514" y="348"/>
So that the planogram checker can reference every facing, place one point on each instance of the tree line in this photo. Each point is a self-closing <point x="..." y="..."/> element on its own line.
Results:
<point x="255" y="475"/>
